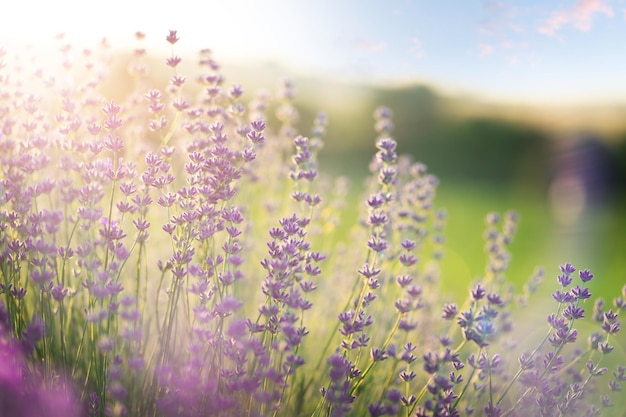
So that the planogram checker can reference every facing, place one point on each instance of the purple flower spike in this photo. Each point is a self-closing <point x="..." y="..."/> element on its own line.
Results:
<point x="375" y="201"/>
<point x="492" y="410"/>
<point x="578" y="293"/>
<point x="585" y="275"/>
<point x="478" y="292"/>
<point x="378" y="354"/>
<point x="567" y="269"/>
<point x="376" y="409"/>
<point x="368" y="272"/>
<point x="562" y="297"/>
<point x="564" y="280"/>
<point x="449" y="311"/>
<point x="573" y="312"/>
<point x="172" y="37"/>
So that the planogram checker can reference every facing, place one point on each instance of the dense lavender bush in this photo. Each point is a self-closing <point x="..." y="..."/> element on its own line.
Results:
<point x="174" y="255"/>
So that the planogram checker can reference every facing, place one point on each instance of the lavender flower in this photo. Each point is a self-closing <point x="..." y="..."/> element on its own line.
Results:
<point x="161" y="253"/>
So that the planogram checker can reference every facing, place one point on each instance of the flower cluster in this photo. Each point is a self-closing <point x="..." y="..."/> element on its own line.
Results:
<point x="173" y="253"/>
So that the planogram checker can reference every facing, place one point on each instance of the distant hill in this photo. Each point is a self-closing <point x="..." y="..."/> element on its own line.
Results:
<point x="459" y="137"/>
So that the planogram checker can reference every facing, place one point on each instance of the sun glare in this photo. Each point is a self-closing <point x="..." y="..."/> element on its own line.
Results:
<point x="222" y="26"/>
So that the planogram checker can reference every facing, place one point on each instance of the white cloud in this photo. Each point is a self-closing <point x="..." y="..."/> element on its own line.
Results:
<point x="579" y="16"/>
<point x="485" y="49"/>
<point x="371" y="46"/>
<point x="416" y="48"/>
<point x="500" y="19"/>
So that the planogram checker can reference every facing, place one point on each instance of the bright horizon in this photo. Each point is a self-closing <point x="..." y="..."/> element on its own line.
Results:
<point x="533" y="51"/>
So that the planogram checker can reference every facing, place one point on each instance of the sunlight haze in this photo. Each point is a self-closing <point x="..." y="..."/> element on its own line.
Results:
<point x="554" y="52"/>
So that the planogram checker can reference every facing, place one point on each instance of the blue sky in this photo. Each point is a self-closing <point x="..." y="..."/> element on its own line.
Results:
<point x="563" y="51"/>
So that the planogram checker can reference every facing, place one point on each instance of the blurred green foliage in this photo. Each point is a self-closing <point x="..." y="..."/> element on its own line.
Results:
<point x="485" y="164"/>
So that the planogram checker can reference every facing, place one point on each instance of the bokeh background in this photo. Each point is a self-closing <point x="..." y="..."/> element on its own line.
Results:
<point x="513" y="104"/>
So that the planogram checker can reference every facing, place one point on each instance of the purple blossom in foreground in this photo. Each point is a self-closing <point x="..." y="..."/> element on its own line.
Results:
<point x="22" y="394"/>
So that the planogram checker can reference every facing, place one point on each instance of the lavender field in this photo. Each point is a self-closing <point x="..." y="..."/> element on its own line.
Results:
<point x="182" y="253"/>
